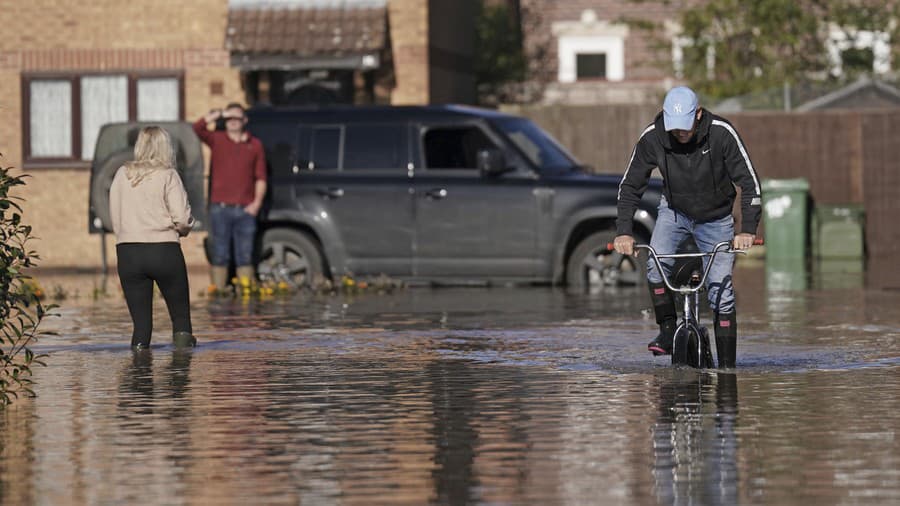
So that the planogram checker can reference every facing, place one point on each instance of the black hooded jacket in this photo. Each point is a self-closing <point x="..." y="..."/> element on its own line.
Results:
<point x="699" y="177"/>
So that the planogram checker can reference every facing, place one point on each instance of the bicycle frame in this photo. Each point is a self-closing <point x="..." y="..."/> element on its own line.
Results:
<point x="690" y="317"/>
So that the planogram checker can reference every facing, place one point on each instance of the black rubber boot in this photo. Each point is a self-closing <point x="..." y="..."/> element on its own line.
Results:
<point x="726" y="339"/>
<point x="664" y="307"/>
<point x="184" y="340"/>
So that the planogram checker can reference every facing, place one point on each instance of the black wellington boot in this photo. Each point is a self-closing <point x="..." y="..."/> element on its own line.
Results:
<point x="664" y="307"/>
<point x="184" y="339"/>
<point x="726" y="339"/>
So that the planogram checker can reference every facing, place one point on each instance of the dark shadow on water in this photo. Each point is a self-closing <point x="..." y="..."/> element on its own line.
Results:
<point x="695" y="445"/>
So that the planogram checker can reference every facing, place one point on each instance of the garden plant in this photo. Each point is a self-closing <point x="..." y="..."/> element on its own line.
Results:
<point x="21" y="309"/>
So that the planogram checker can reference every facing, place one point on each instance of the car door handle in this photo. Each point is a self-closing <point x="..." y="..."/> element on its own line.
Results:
<point x="331" y="193"/>
<point x="436" y="193"/>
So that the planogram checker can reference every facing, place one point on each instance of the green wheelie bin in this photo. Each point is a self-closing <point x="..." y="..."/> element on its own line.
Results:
<point x="785" y="217"/>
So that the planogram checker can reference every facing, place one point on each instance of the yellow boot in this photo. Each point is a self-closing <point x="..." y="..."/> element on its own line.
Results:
<point x="219" y="276"/>
<point x="246" y="271"/>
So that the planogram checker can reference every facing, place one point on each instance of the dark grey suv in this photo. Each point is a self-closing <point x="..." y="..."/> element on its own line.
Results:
<point x="440" y="194"/>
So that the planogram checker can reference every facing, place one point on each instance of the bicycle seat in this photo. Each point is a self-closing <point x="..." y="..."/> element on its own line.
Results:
<point x="687" y="271"/>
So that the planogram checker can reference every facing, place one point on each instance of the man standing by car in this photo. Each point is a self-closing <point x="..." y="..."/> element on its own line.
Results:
<point x="701" y="159"/>
<point x="237" y="171"/>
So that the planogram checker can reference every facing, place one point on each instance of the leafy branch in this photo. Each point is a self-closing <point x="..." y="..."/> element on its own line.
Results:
<point x="21" y="311"/>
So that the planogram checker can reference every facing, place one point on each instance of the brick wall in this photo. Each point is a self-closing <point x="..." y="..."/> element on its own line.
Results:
<point x="68" y="36"/>
<point x="409" y="46"/>
<point x="112" y="24"/>
<point x="98" y="36"/>
<point x="647" y="68"/>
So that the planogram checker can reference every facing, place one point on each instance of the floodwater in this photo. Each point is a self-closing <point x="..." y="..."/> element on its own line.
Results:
<point x="465" y="396"/>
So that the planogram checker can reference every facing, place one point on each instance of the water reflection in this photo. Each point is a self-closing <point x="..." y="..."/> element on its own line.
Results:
<point x="694" y="439"/>
<point x="485" y="396"/>
<point x="838" y="274"/>
<point x="786" y="274"/>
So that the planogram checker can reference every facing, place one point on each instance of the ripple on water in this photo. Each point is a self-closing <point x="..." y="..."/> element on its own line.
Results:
<point x="545" y="398"/>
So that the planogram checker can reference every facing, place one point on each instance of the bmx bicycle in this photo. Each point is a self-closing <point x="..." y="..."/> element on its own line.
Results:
<point x="690" y="346"/>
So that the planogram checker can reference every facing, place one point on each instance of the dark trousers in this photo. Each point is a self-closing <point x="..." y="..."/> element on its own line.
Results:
<point x="140" y="264"/>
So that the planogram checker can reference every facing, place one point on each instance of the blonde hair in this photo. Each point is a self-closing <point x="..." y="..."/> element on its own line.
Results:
<point x="154" y="148"/>
<point x="152" y="151"/>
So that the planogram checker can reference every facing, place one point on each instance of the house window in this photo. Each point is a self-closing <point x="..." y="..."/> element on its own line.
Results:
<point x="50" y="124"/>
<point x="590" y="66"/>
<point x="65" y="113"/>
<point x="863" y="51"/>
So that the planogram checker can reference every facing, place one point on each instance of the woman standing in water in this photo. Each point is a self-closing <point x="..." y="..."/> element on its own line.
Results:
<point x="150" y="213"/>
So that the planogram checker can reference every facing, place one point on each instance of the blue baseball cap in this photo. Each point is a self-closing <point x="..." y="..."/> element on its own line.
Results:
<point x="679" y="109"/>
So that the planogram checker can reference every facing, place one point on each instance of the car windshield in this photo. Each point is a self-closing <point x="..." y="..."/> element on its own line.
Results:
<point x="544" y="151"/>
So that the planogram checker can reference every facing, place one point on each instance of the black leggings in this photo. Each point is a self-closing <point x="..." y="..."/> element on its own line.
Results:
<point x="140" y="264"/>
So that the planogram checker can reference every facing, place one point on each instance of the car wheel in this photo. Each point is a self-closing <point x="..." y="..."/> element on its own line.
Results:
<point x="592" y="265"/>
<point x="289" y="256"/>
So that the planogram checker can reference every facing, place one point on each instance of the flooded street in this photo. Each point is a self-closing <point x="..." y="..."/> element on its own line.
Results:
<point x="525" y="395"/>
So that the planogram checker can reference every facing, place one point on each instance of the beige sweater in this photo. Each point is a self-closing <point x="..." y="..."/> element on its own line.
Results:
<point x="155" y="210"/>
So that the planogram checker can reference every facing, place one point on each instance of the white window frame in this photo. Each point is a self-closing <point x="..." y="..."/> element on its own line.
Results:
<point x="879" y="42"/>
<point x="590" y="35"/>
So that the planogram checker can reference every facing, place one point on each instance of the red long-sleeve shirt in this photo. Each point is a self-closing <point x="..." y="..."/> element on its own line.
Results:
<point x="234" y="167"/>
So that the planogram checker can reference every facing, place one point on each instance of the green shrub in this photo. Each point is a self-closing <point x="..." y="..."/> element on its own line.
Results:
<point x="21" y="310"/>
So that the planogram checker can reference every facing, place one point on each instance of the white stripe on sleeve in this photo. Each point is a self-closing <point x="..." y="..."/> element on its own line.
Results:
<point x="737" y="139"/>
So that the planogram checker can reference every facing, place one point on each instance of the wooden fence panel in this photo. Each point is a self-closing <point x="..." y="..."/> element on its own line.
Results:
<point x="821" y="147"/>
<point x="600" y="136"/>
<point x="881" y="189"/>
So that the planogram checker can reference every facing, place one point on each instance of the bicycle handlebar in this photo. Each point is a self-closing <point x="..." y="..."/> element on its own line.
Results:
<point x="712" y="254"/>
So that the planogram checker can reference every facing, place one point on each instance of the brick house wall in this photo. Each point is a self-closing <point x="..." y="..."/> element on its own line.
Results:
<point x="70" y="37"/>
<point x="409" y="47"/>
<point x="63" y="37"/>
<point x="647" y="68"/>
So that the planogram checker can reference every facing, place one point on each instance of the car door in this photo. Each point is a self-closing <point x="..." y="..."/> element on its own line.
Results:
<point x="470" y="225"/>
<point x="355" y="179"/>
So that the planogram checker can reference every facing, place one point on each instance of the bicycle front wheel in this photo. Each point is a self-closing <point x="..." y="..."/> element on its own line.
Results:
<point x="691" y="348"/>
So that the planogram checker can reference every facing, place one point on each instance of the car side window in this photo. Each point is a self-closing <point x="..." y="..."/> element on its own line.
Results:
<point x="375" y="146"/>
<point x="454" y="147"/>
<point x="325" y="148"/>
<point x="280" y="147"/>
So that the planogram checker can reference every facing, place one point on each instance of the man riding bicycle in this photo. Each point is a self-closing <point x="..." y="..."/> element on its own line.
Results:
<point x="701" y="158"/>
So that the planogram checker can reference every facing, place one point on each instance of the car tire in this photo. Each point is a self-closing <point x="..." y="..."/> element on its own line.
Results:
<point x="290" y="256"/>
<point x="100" y="184"/>
<point x="592" y="265"/>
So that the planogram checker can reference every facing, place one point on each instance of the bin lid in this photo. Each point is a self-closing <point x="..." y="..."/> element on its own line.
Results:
<point x="843" y="211"/>
<point x="783" y="185"/>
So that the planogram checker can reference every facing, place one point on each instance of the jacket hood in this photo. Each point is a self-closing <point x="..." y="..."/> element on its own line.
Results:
<point x="700" y="135"/>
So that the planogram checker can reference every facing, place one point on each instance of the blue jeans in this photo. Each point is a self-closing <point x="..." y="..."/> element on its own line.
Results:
<point x="673" y="227"/>
<point x="231" y="225"/>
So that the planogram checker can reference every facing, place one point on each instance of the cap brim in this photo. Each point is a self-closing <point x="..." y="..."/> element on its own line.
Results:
<point x="679" y="122"/>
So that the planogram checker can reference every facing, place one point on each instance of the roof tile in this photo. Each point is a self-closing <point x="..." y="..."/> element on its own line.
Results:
<point x="306" y="31"/>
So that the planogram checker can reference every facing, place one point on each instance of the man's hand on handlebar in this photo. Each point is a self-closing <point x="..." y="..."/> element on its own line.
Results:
<point x="624" y="244"/>
<point x="742" y="241"/>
